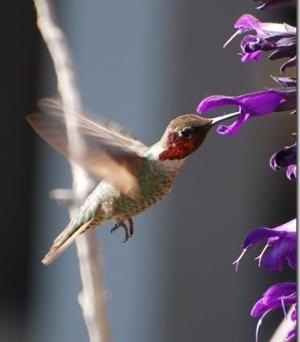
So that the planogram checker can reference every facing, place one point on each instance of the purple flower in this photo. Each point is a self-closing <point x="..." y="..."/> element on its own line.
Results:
<point x="252" y="104"/>
<point x="278" y="296"/>
<point x="278" y="38"/>
<point x="293" y="332"/>
<point x="285" y="81"/>
<point x="267" y="4"/>
<point x="275" y="297"/>
<point x="279" y="249"/>
<point x="286" y="159"/>
<point x="292" y="62"/>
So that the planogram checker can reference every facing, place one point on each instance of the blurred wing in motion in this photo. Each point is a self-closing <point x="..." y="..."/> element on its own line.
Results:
<point x="106" y="150"/>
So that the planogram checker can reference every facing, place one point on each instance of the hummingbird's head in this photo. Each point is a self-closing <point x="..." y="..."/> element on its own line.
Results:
<point x="183" y="136"/>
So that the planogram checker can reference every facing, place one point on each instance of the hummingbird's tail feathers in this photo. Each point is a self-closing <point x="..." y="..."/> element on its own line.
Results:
<point x="63" y="241"/>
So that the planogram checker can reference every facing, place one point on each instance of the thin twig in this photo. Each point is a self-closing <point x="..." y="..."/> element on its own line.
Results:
<point x="91" y="298"/>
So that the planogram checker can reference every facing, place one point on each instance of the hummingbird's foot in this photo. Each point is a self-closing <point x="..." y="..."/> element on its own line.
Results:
<point x="128" y="228"/>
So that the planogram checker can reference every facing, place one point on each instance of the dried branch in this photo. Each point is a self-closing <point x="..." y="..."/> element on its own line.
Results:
<point x="91" y="298"/>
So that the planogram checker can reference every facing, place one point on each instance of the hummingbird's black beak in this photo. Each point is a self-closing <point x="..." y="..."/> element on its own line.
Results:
<point x="221" y="118"/>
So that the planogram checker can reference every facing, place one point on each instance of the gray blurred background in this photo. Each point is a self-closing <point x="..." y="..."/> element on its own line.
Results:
<point x="141" y="63"/>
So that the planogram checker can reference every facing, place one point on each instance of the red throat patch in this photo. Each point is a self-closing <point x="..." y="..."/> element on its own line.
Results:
<point x="178" y="147"/>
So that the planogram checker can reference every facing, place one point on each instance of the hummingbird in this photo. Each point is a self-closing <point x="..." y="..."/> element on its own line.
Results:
<point x="134" y="177"/>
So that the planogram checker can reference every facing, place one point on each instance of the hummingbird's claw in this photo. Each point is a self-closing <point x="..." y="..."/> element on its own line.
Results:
<point x="128" y="228"/>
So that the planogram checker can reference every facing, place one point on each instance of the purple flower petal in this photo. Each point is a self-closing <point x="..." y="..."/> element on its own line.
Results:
<point x="262" y="102"/>
<point x="290" y="99"/>
<point x="274" y="297"/>
<point x="280" y="248"/>
<point x="256" y="103"/>
<point x="260" y="307"/>
<point x="268" y="4"/>
<point x="258" y="234"/>
<point x="291" y="172"/>
<point x="279" y="290"/>
<point x="215" y="101"/>
<point x="288" y="228"/>
<point x="247" y="22"/>
<point x="281" y="252"/>
<point x="252" y="56"/>
<point x="285" y="159"/>
<point x="277" y="296"/>
<point x="291" y="334"/>
<point x="294" y="315"/>
<point x="292" y="259"/>
<point x="251" y="104"/>
<point x="286" y="81"/>
<point x="292" y="62"/>
<point x="279" y="38"/>
<point x="233" y="128"/>
<point x="283" y="51"/>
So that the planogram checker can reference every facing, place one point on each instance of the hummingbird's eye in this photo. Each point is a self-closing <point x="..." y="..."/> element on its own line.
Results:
<point x="186" y="132"/>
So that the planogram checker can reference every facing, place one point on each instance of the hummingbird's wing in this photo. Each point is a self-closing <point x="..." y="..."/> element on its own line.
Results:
<point x="106" y="150"/>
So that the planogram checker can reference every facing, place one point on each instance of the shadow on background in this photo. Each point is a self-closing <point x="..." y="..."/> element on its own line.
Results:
<point x="140" y="63"/>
